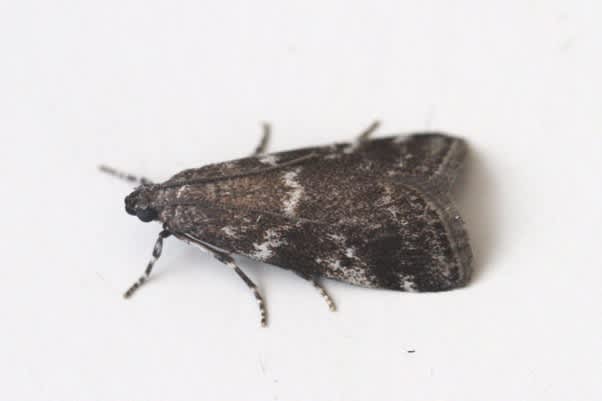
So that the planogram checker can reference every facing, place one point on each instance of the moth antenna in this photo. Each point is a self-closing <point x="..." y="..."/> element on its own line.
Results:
<point x="365" y="134"/>
<point x="157" y="249"/>
<point x="265" y="140"/>
<point x="124" y="176"/>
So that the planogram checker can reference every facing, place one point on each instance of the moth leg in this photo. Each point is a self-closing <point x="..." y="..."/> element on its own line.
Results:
<point x="156" y="254"/>
<point x="229" y="261"/>
<point x="124" y="176"/>
<point x="265" y="139"/>
<point x="314" y="281"/>
<point x="365" y="134"/>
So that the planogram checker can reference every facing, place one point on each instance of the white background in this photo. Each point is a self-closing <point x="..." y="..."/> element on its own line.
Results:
<point x="155" y="87"/>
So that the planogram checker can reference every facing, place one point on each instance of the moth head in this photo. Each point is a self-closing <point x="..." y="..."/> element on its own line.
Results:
<point x="139" y="203"/>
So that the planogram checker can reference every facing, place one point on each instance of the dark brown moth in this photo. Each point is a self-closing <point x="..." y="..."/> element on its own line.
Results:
<point x="373" y="212"/>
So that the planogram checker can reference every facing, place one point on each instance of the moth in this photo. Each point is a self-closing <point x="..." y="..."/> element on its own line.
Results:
<point x="372" y="213"/>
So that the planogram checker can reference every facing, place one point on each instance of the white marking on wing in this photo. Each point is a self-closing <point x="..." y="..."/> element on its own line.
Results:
<point x="354" y="273"/>
<point x="294" y="196"/>
<point x="229" y="231"/>
<point x="181" y="191"/>
<point x="265" y="250"/>
<point x="407" y="283"/>
<point x="338" y="238"/>
<point x="272" y="160"/>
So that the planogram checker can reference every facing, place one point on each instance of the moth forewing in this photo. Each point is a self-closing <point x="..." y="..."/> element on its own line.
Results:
<point x="374" y="212"/>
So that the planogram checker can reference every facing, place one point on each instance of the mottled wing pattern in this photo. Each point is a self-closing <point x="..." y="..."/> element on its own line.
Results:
<point x="429" y="156"/>
<point x="374" y="214"/>
<point x="425" y="155"/>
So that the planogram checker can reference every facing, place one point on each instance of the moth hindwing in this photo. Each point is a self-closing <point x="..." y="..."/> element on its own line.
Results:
<point x="373" y="212"/>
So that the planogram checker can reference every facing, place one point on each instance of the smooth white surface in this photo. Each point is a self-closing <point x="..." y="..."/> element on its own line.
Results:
<point x="154" y="87"/>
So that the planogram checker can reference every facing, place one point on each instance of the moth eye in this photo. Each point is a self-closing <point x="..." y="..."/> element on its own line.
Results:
<point x="130" y="210"/>
<point x="146" y="215"/>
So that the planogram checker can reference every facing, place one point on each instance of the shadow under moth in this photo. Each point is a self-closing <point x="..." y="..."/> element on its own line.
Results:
<point x="373" y="212"/>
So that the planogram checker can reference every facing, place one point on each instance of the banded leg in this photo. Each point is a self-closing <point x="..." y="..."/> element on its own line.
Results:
<point x="321" y="290"/>
<point x="229" y="261"/>
<point x="265" y="139"/>
<point x="368" y="131"/>
<point x="156" y="254"/>
<point x="124" y="176"/>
